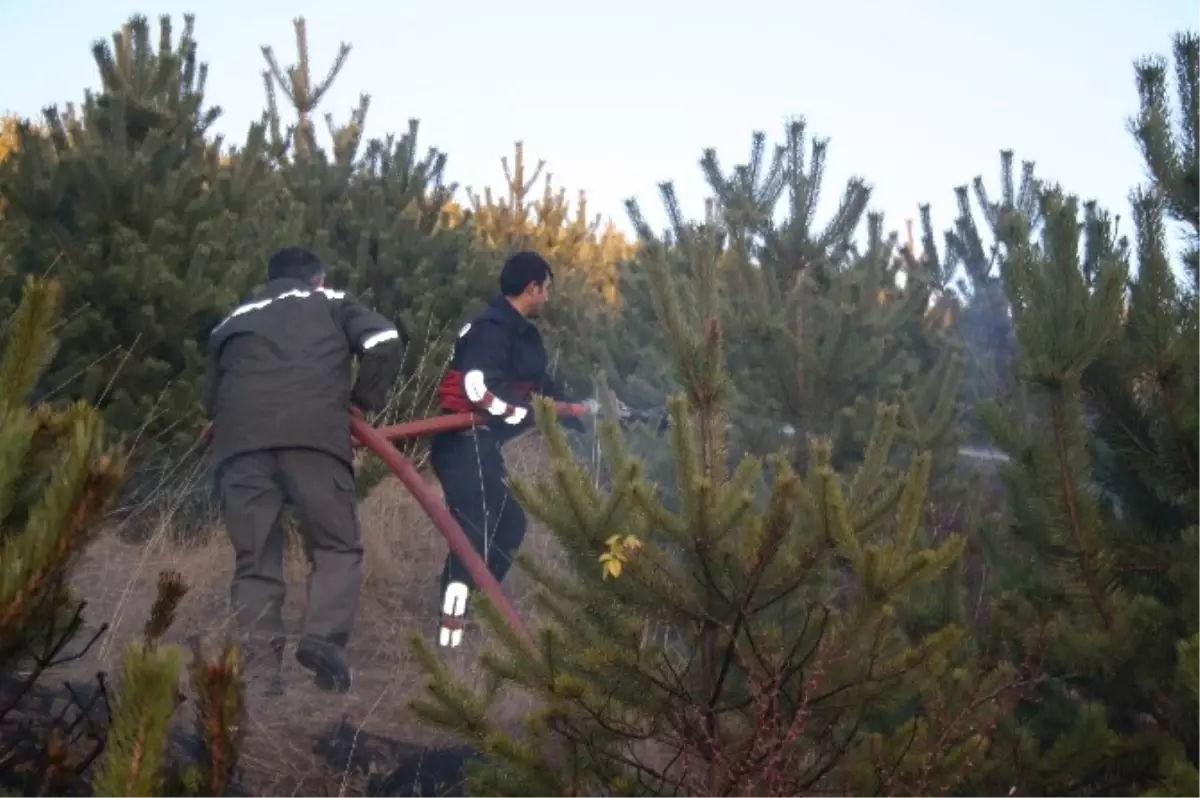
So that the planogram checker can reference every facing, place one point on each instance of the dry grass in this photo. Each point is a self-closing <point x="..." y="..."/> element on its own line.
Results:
<point x="404" y="555"/>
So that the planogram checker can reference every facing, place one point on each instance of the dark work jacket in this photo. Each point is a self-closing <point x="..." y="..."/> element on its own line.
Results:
<point x="502" y="351"/>
<point x="280" y="370"/>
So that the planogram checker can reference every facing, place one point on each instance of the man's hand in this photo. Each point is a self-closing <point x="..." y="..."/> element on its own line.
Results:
<point x="575" y="422"/>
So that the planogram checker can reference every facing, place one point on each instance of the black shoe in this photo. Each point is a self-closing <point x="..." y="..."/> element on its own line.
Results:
<point x="264" y="665"/>
<point x="327" y="662"/>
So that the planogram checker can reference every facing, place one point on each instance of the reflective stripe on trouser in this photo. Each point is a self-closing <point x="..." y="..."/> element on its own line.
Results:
<point x="254" y="488"/>
<point x="471" y="469"/>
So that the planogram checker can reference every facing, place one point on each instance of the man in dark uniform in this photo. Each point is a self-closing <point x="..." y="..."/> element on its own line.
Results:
<point x="499" y="362"/>
<point x="280" y="399"/>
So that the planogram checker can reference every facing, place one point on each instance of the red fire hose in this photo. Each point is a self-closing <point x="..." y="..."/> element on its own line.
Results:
<point x="380" y="442"/>
<point x="431" y="426"/>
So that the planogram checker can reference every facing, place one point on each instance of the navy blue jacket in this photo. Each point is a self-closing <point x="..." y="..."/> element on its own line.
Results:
<point x="499" y="363"/>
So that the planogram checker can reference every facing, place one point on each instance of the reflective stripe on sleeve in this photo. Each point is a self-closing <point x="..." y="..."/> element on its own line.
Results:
<point x="375" y="339"/>
<point x="477" y="391"/>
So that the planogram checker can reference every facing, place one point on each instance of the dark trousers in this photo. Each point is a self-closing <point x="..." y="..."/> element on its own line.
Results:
<point x="471" y="469"/>
<point x="253" y="489"/>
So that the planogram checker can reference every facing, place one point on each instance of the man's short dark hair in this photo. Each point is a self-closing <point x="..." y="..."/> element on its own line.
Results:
<point x="298" y="263"/>
<point x="522" y="269"/>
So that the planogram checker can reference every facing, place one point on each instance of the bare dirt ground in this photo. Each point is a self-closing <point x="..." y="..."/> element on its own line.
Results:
<point x="309" y="741"/>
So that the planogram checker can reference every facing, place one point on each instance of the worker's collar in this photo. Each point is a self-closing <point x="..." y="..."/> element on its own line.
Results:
<point x="283" y="284"/>
<point x="502" y="310"/>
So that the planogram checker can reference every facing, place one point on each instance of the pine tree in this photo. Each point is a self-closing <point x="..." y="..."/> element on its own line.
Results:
<point x="376" y="212"/>
<point x="138" y="757"/>
<point x="1096" y="567"/>
<point x="127" y="201"/>
<point x="581" y="245"/>
<point x="135" y="761"/>
<point x="968" y="312"/>
<point x="305" y="95"/>
<point x="973" y="254"/>
<point x="408" y="261"/>
<point x="823" y="329"/>
<point x="313" y="182"/>
<point x="57" y="478"/>
<point x="818" y="332"/>
<point x="748" y="641"/>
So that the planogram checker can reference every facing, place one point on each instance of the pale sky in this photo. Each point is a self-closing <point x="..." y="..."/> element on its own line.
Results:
<point x="917" y="95"/>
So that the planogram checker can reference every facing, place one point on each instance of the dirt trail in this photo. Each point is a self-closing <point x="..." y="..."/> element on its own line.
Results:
<point x="301" y="743"/>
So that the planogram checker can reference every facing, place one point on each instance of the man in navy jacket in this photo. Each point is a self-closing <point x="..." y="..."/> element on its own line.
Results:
<point x="499" y="363"/>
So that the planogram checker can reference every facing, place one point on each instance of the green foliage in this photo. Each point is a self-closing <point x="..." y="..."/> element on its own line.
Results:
<point x="774" y="603"/>
<point x="57" y="478"/>
<point x="135" y="759"/>
<point x="752" y="641"/>
<point x="817" y="332"/>
<point x="1097" y="568"/>
<point x="377" y="212"/>
<point x="157" y="229"/>
<point x="127" y="198"/>
<point x="971" y="265"/>
<point x="220" y="715"/>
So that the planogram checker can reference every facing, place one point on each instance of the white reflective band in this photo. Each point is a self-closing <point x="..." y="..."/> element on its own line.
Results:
<point x="454" y="604"/>
<point x="262" y="303"/>
<point x="380" y="337"/>
<point x="474" y="386"/>
<point x="466" y="329"/>
<point x="477" y="392"/>
<point x="455" y="601"/>
<point x="295" y="292"/>
<point x="249" y="306"/>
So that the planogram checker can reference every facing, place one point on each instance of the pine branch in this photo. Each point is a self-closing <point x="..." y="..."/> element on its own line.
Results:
<point x="220" y="712"/>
